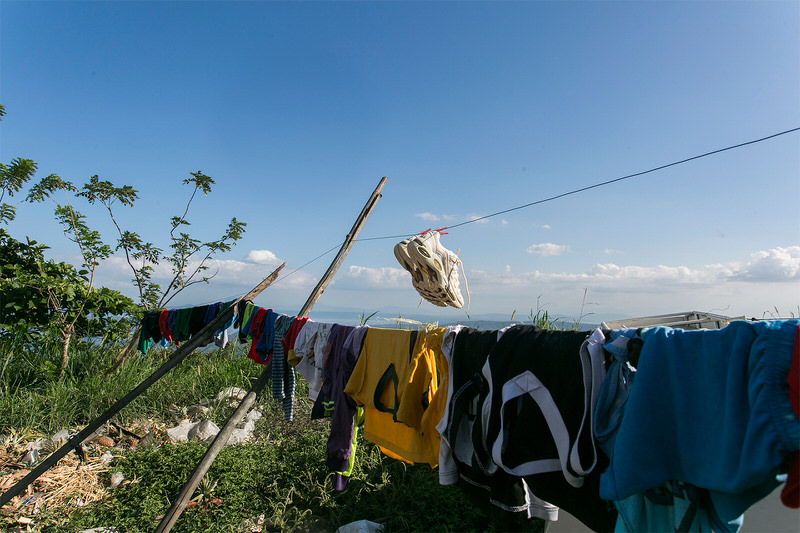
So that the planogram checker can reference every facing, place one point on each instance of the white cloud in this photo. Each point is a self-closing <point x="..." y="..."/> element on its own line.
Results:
<point x="427" y="216"/>
<point x="776" y="264"/>
<point x="262" y="257"/>
<point x="115" y="273"/>
<point x="479" y="219"/>
<point x="547" y="249"/>
<point x="504" y="222"/>
<point x="384" y="277"/>
<point x="449" y="217"/>
<point x="545" y="226"/>
<point x="762" y="281"/>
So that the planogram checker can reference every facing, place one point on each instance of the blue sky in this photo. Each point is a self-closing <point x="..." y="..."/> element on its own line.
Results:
<point x="297" y="109"/>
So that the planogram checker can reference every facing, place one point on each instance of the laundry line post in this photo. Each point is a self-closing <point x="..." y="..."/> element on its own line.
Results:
<point x="222" y="437"/>
<point x="179" y="355"/>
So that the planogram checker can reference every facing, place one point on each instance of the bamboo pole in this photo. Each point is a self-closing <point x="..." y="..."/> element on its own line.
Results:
<point x="179" y="355"/>
<point x="222" y="437"/>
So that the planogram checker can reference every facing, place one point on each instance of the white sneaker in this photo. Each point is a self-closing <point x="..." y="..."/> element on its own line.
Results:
<point x="433" y="268"/>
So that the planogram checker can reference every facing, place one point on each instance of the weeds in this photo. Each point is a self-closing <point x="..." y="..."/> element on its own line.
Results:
<point x="34" y="395"/>
<point x="278" y="480"/>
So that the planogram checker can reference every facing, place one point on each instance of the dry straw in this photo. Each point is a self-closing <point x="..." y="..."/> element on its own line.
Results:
<point x="71" y="483"/>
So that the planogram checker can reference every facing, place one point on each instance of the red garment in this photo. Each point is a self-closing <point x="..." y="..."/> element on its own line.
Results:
<point x="790" y="495"/>
<point x="256" y="328"/>
<point x="291" y="336"/>
<point x="163" y="326"/>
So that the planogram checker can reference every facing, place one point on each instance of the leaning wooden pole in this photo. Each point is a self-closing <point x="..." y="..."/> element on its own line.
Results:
<point x="222" y="437"/>
<point x="180" y="354"/>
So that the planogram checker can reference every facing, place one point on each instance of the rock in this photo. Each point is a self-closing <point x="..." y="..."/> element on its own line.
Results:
<point x="197" y="411"/>
<point x="253" y="415"/>
<point x="205" y="430"/>
<point x="180" y="433"/>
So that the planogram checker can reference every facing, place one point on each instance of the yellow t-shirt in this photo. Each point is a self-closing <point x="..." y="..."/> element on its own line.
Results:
<point x="396" y="379"/>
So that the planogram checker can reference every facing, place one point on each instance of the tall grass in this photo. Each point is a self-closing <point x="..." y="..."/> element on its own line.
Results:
<point x="281" y="474"/>
<point x="34" y="396"/>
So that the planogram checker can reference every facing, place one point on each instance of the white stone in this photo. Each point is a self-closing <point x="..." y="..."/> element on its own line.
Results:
<point x="180" y="433"/>
<point x="204" y="430"/>
<point x="253" y="415"/>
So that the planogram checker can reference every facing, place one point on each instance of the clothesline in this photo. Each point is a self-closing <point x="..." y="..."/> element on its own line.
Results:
<point x="530" y="420"/>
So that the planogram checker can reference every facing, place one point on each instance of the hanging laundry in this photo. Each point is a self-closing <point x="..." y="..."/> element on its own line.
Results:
<point x="540" y="383"/>
<point x="197" y="319"/>
<point x="211" y="312"/>
<point x="340" y="355"/>
<point x="433" y="268"/>
<point x="149" y="331"/>
<point x="790" y="495"/>
<point x="253" y="328"/>
<point x="554" y="484"/>
<point x="162" y="325"/>
<point x="172" y="320"/>
<point x="220" y="337"/>
<point x="710" y="409"/>
<point x="518" y="427"/>
<point x="507" y="499"/>
<point x="448" y="471"/>
<point x="262" y="348"/>
<point x="395" y="380"/>
<point x="244" y="311"/>
<point x="290" y="339"/>
<point x="282" y="373"/>
<point x="309" y="347"/>
<point x="182" y="329"/>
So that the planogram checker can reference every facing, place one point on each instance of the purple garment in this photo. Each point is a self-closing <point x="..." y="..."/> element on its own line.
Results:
<point x="341" y="353"/>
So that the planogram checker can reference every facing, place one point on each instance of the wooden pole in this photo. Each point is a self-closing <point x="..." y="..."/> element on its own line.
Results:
<point x="179" y="355"/>
<point x="348" y="243"/>
<point x="222" y="437"/>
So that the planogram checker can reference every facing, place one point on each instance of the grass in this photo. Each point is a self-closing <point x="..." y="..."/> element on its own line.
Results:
<point x="280" y="475"/>
<point x="32" y="394"/>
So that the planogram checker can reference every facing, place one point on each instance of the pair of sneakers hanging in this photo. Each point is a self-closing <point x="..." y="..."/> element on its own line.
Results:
<point x="433" y="268"/>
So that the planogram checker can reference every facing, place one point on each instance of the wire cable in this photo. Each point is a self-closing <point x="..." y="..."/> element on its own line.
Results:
<point x="596" y="185"/>
<point x="556" y="197"/>
<point x="320" y="256"/>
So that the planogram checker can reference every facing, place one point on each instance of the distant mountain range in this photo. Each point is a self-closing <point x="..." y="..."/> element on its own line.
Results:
<point x="389" y="320"/>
